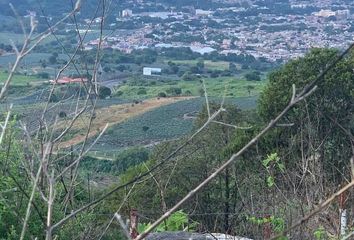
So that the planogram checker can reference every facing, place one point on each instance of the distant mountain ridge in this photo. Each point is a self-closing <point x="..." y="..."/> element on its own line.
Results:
<point x="57" y="8"/>
<point x="50" y="7"/>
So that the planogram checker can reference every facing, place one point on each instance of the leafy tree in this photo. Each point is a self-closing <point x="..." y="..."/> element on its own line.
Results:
<point x="129" y="158"/>
<point x="121" y="68"/>
<point x="119" y="93"/>
<point x="253" y="76"/>
<point x="226" y="73"/>
<point x="174" y="69"/>
<point x="188" y="76"/>
<point x="161" y="94"/>
<point x="62" y="114"/>
<point x="43" y="75"/>
<point x="104" y="92"/>
<point x="142" y="91"/>
<point x="232" y="67"/>
<point x="215" y="73"/>
<point x="195" y="69"/>
<point x="53" y="58"/>
<point x="43" y="63"/>
<point x="107" y="69"/>
<point x="249" y="89"/>
<point x="174" y="91"/>
<point x="188" y="92"/>
<point x="200" y="64"/>
<point x="316" y="122"/>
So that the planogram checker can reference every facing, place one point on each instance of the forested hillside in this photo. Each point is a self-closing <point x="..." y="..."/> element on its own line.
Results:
<point x="286" y="173"/>
<point x="164" y="123"/>
<point x="292" y="169"/>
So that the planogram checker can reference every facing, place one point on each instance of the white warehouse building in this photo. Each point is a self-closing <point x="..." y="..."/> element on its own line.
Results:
<point x="148" y="71"/>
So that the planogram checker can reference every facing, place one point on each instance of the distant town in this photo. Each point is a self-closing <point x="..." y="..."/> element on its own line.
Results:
<point x="287" y="31"/>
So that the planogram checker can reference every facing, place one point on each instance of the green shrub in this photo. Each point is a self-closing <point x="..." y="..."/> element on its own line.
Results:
<point x="104" y="92"/>
<point x="44" y="75"/>
<point x="119" y="93"/>
<point x="253" y="76"/>
<point x="129" y="158"/>
<point x="188" y="92"/>
<point x="174" y="91"/>
<point x="161" y="94"/>
<point x="142" y="91"/>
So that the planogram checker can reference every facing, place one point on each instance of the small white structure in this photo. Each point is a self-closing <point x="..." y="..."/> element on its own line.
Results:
<point x="201" y="12"/>
<point x="325" y="13"/>
<point x="148" y="71"/>
<point x="343" y="14"/>
<point x="127" y="13"/>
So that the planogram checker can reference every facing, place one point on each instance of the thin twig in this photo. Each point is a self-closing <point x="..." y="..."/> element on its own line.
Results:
<point x="122" y="224"/>
<point x="34" y="187"/>
<point x="118" y="210"/>
<point x="4" y="126"/>
<point x="206" y="97"/>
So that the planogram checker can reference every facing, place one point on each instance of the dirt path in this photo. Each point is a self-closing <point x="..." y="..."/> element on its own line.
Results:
<point x="113" y="115"/>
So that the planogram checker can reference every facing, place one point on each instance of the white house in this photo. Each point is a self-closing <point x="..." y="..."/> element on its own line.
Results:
<point x="127" y="13"/>
<point x="148" y="71"/>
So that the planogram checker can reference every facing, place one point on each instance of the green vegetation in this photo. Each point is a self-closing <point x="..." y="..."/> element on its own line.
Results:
<point x="6" y="36"/>
<point x="216" y="88"/>
<point x="178" y="221"/>
<point x="217" y="65"/>
<point x="129" y="158"/>
<point x="20" y="79"/>
<point x="165" y="123"/>
<point x="272" y="184"/>
<point x="17" y="38"/>
<point x="161" y="139"/>
<point x="265" y="172"/>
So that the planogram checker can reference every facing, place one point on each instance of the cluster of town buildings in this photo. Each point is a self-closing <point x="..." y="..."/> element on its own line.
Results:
<point x="273" y="36"/>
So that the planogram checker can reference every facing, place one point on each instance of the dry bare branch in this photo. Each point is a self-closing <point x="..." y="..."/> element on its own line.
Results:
<point x="4" y="126"/>
<point x="34" y="187"/>
<point x="122" y="224"/>
<point x="316" y="210"/>
<point x="118" y="210"/>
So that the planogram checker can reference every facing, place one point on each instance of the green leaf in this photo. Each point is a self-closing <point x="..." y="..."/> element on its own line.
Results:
<point x="281" y="167"/>
<point x="270" y="181"/>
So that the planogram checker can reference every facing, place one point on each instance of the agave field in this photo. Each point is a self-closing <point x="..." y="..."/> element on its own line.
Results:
<point x="162" y="124"/>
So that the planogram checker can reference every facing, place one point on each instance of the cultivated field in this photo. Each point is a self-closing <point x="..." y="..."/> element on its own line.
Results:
<point x="19" y="79"/>
<point x="112" y="115"/>
<point x="158" y="125"/>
